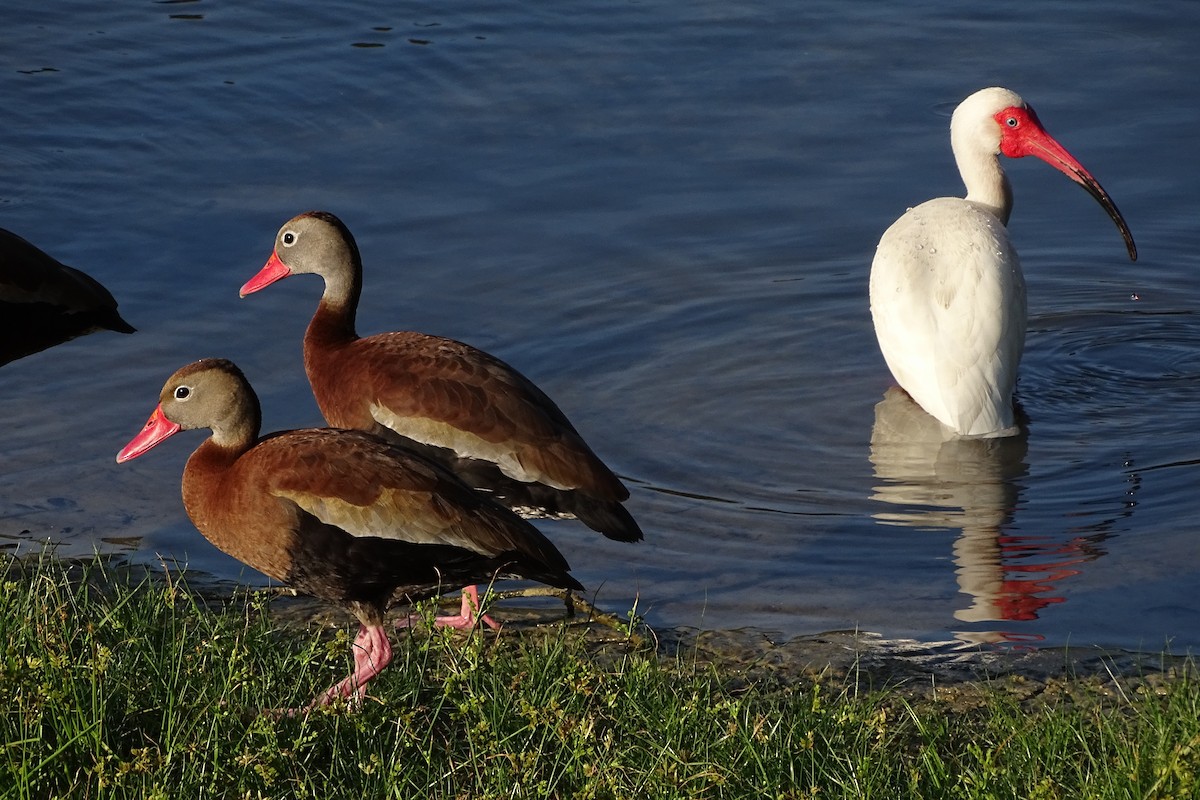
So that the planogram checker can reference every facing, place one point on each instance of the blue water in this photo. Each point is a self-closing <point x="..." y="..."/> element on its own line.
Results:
<point x="663" y="213"/>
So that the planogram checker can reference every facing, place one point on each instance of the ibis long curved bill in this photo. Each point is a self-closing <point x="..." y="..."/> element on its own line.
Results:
<point x="1026" y="137"/>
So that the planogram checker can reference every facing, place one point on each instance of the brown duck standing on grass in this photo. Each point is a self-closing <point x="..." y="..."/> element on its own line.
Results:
<point x="463" y="407"/>
<point x="44" y="302"/>
<point x="337" y="514"/>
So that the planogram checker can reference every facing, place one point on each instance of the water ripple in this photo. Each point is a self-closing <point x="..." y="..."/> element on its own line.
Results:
<point x="1095" y="362"/>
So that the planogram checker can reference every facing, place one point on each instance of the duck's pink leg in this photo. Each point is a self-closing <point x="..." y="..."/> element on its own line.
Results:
<point x="372" y="653"/>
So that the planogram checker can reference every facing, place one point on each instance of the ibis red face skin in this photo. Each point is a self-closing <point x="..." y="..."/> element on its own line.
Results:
<point x="1022" y="134"/>
<point x="272" y="271"/>
<point x="156" y="429"/>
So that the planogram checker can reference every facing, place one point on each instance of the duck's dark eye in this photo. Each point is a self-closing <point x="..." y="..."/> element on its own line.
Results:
<point x="288" y="238"/>
<point x="182" y="392"/>
<point x="1011" y="122"/>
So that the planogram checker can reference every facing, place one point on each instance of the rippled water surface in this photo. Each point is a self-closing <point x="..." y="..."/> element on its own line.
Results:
<point x="663" y="213"/>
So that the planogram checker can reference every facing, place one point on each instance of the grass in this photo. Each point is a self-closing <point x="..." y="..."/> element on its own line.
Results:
<point x="114" y="687"/>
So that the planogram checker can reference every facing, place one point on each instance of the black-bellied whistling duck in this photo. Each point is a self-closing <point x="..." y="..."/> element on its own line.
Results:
<point x="341" y="515"/>
<point x="44" y="303"/>
<point x="491" y="425"/>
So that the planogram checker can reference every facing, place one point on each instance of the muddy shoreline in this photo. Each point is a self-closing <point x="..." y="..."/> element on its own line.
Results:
<point x="964" y="675"/>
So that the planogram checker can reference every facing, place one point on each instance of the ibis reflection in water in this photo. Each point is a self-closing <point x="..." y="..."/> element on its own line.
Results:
<point x="933" y="480"/>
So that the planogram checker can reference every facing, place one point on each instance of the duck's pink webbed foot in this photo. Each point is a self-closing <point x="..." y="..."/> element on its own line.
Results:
<point x="467" y="618"/>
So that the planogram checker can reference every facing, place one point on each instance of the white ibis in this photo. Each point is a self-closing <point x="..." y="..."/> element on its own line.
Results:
<point x="947" y="293"/>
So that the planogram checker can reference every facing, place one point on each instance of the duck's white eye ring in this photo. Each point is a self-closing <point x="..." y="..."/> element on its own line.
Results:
<point x="182" y="392"/>
<point x="288" y="238"/>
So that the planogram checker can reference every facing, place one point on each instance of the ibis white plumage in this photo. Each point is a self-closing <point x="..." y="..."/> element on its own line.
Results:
<point x="947" y="293"/>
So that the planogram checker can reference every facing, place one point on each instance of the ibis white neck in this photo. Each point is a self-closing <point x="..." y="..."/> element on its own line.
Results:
<point x="975" y="138"/>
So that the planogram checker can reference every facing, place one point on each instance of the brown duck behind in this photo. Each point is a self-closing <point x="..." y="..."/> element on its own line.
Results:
<point x="460" y="405"/>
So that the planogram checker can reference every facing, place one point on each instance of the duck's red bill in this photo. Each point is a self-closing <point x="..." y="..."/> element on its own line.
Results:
<point x="156" y="429"/>
<point x="272" y="271"/>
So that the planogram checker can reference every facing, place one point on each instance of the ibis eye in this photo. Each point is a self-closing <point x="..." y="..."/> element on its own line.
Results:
<point x="288" y="238"/>
<point x="182" y="393"/>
